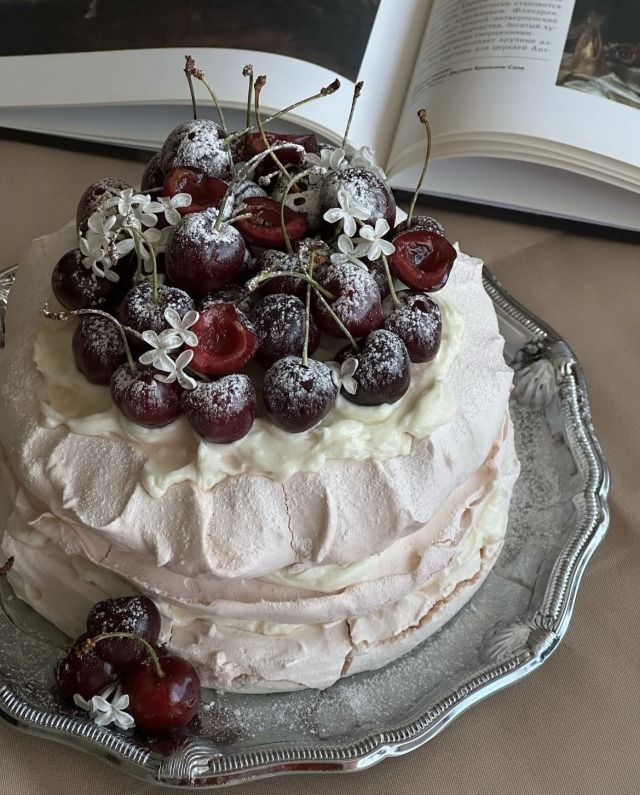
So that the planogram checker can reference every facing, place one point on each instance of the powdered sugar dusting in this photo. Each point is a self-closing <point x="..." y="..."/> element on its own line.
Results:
<point x="365" y="189"/>
<point x="197" y="144"/>
<point x="140" y="312"/>
<point x="290" y="387"/>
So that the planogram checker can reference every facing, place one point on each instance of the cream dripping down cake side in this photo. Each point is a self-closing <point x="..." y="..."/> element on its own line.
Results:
<point x="247" y="394"/>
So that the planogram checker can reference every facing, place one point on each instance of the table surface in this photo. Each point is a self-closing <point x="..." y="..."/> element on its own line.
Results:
<point x="571" y="727"/>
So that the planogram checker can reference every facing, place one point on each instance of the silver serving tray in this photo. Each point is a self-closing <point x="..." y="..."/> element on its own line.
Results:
<point x="559" y="515"/>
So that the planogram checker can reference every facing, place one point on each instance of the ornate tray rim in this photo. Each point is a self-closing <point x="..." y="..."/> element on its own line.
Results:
<point x="200" y="764"/>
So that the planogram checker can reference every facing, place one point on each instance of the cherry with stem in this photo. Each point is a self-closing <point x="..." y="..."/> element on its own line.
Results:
<point x="260" y="279"/>
<point x="90" y="643"/>
<point x="356" y="93"/>
<point x="290" y="184"/>
<point x="422" y="115"/>
<point x="259" y="84"/>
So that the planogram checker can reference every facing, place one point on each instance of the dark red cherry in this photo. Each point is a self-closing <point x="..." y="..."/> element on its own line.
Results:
<point x="200" y="258"/>
<point x="143" y="399"/>
<point x="298" y="395"/>
<point x="357" y="299"/>
<point x="162" y="704"/>
<point x="379" y="273"/>
<point x="272" y="261"/>
<point x="279" y="322"/>
<point x="226" y="340"/>
<point x="235" y="294"/>
<point x="418" y="323"/>
<point x="136" y="614"/>
<point x="221" y="411"/>
<point x="98" y="349"/>
<point x="78" y="287"/>
<point x="264" y="229"/>
<point x="383" y="374"/>
<point x="153" y="175"/>
<point x="419" y="223"/>
<point x="205" y="192"/>
<point x="288" y="156"/>
<point x="96" y="196"/>
<point x="197" y="144"/>
<point x="423" y="260"/>
<point x="366" y="190"/>
<point x="83" y="671"/>
<point x="141" y="313"/>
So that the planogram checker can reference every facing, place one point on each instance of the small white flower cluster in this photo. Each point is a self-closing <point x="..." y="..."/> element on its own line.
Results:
<point x="370" y="244"/>
<point x="124" y="223"/>
<point x="337" y="159"/>
<point x="103" y="712"/>
<point x="170" y="340"/>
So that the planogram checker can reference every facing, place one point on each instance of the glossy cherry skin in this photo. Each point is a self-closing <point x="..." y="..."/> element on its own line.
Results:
<point x="279" y="322"/>
<point x="205" y="192"/>
<point x="357" y="300"/>
<point x="197" y="144"/>
<point x="162" y="704"/>
<point x="77" y="287"/>
<point x="221" y="411"/>
<point x="423" y="260"/>
<point x="143" y="399"/>
<point x="153" y="175"/>
<point x="418" y="323"/>
<point x="226" y="340"/>
<point x="83" y="671"/>
<point x="264" y="228"/>
<point x="383" y="373"/>
<point x="288" y="156"/>
<point x="200" y="258"/>
<point x="136" y="614"/>
<point x="298" y="396"/>
<point x="96" y="195"/>
<point x="140" y="312"/>
<point x="98" y="349"/>
<point x="419" y="223"/>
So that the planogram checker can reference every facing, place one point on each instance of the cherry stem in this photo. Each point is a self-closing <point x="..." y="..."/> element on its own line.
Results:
<point x="392" y="289"/>
<point x="132" y="636"/>
<point x="261" y="278"/>
<point x="307" y="313"/>
<point x="241" y="217"/>
<point x="422" y="115"/>
<point x="6" y="566"/>
<point x="356" y="93"/>
<point x="188" y="70"/>
<point x="138" y="275"/>
<point x="251" y="164"/>
<point x="136" y="234"/>
<point x="79" y="312"/>
<point x="257" y="89"/>
<point x="221" y="208"/>
<point x="338" y="322"/>
<point x="201" y="76"/>
<point x="326" y="91"/>
<point x="290" y="184"/>
<point x="248" y="72"/>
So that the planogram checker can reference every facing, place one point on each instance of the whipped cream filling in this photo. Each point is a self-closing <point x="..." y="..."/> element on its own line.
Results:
<point x="175" y="454"/>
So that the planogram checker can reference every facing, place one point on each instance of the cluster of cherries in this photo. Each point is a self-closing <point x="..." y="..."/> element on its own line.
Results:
<point x="258" y="270"/>
<point x="121" y="645"/>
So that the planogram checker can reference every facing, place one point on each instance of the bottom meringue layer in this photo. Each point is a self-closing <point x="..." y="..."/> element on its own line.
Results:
<point x="257" y="654"/>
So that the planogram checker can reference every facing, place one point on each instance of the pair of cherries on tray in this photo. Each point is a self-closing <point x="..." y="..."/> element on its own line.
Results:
<point x="120" y="645"/>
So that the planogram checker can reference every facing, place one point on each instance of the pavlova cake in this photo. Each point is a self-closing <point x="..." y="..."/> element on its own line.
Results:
<point x="246" y="394"/>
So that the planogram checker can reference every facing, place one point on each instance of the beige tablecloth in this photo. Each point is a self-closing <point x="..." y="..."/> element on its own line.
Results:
<point x="574" y="725"/>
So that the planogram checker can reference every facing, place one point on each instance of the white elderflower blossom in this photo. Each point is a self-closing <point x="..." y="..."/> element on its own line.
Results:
<point x="348" y="212"/>
<point x="371" y="242"/>
<point x="103" y="712"/>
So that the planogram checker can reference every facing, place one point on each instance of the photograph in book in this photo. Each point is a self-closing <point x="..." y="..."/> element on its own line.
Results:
<point x="602" y="51"/>
<point x="330" y="33"/>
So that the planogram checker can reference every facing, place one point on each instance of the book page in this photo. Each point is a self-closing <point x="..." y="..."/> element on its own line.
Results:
<point x="527" y="80"/>
<point x="48" y="84"/>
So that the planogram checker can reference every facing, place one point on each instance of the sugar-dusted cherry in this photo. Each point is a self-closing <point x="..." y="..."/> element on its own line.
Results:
<point x="82" y="670"/>
<point x="162" y="703"/>
<point x="423" y="259"/>
<point x="298" y="395"/>
<point x="143" y="399"/>
<point x="273" y="261"/>
<point x="279" y="322"/>
<point x="78" y="287"/>
<point x="226" y="340"/>
<point x="140" y="312"/>
<point x="263" y="228"/>
<point x="356" y="303"/>
<point x="418" y="323"/>
<point x="235" y="294"/>
<point x="96" y="196"/>
<point x="379" y="273"/>
<point x="98" y="349"/>
<point x="365" y="189"/>
<point x="419" y="223"/>
<point x="221" y="411"/>
<point x="197" y="144"/>
<point x="205" y="191"/>
<point x="202" y="255"/>
<point x="153" y="175"/>
<point x="130" y="614"/>
<point x="383" y="373"/>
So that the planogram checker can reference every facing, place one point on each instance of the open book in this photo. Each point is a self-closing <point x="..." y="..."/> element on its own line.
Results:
<point x="534" y="105"/>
